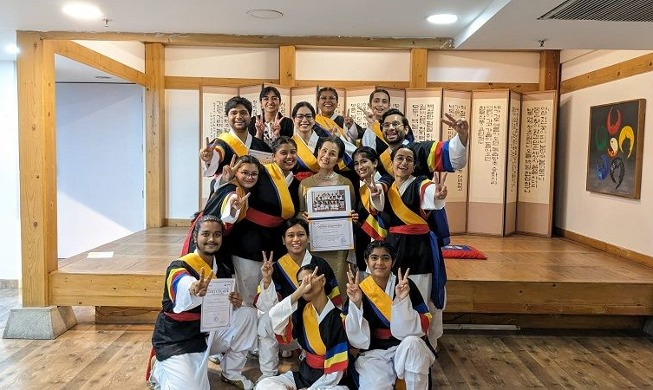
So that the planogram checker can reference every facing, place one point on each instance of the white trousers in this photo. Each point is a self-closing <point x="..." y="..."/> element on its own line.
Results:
<point x="189" y="371"/>
<point x="411" y="360"/>
<point x="248" y="276"/>
<point x="268" y="352"/>
<point x="424" y="284"/>
<point x="286" y="381"/>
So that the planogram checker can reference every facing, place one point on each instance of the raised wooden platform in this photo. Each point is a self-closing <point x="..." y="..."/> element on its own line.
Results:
<point x="522" y="276"/>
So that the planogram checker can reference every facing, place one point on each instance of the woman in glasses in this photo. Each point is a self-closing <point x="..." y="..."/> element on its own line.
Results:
<point x="306" y="134"/>
<point x="230" y="201"/>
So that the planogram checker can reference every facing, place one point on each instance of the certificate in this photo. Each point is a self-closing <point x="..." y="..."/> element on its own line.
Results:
<point x="262" y="157"/>
<point x="216" y="308"/>
<point x="329" y="201"/>
<point x="331" y="234"/>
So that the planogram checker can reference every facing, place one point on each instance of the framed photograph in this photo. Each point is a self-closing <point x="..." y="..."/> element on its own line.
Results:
<point x="327" y="202"/>
<point x="616" y="144"/>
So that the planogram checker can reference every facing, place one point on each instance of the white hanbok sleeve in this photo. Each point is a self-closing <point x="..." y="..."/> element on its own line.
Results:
<point x="183" y="300"/>
<point x="405" y="320"/>
<point x="357" y="327"/>
<point x="280" y="315"/>
<point x="428" y="200"/>
<point x="226" y="216"/>
<point x="457" y="153"/>
<point x="267" y="298"/>
<point x="212" y="167"/>
<point x="327" y="381"/>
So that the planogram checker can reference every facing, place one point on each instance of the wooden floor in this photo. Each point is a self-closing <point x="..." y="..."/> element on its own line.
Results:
<point x="93" y="356"/>
<point x="523" y="275"/>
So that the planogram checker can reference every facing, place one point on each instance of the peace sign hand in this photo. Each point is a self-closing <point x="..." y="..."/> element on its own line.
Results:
<point x="461" y="126"/>
<point x="206" y="153"/>
<point x="402" y="288"/>
<point x="348" y="120"/>
<point x="369" y="115"/>
<point x="260" y="126"/>
<point x="276" y="128"/>
<point x="440" y="188"/>
<point x="267" y="269"/>
<point x="229" y="171"/>
<point x="370" y="183"/>
<point x="238" y="203"/>
<point x="353" y="289"/>
<point x="308" y="280"/>
<point x="198" y="288"/>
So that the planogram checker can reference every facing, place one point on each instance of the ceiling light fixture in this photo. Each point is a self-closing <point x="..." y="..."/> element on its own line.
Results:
<point x="12" y="49"/>
<point x="442" y="19"/>
<point x="84" y="11"/>
<point x="265" y="13"/>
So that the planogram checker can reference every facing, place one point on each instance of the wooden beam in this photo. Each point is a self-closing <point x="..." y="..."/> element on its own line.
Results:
<point x="38" y="178"/>
<point x="419" y="66"/>
<point x="183" y="82"/>
<point x="549" y="70"/>
<point x="287" y="60"/>
<point x="155" y="185"/>
<point x="86" y="56"/>
<point x="622" y="70"/>
<point x="351" y="84"/>
<point x="255" y="40"/>
<point x="470" y="86"/>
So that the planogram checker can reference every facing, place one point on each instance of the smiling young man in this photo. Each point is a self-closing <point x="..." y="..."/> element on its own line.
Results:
<point x="180" y="348"/>
<point x="279" y="281"/>
<point x="237" y="141"/>
<point x="388" y="321"/>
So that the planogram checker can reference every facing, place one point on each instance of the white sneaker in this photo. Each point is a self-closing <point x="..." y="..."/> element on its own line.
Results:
<point x="217" y="358"/>
<point x="285" y="353"/>
<point x="240" y="383"/>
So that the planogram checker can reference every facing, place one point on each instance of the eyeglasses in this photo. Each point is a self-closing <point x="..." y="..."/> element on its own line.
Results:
<point x="395" y="124"/>
<point x="249" y="174"/>
<point x="301" y="117"/>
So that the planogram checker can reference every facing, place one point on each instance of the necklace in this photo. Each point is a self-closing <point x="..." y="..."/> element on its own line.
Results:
<point x="322" y="176"/>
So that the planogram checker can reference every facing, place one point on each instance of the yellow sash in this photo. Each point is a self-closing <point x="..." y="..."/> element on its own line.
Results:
<point x="290" y="267"/>
<point x="370" y="220"/>
<point x="312" y="330"/>
<point x="376" y="128"/>
<point x="305" y="154"/>
<point x="279" y="180"/>
<point x="386" y="160"/>
<point x="235" y="143"/>
<point x="197" y="263"/>
<point x="329" y="124"/>
<point x="378" y="297"/>
<point x="402" y="211"/>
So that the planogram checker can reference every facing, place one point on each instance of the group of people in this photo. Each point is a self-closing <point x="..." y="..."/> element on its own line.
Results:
<point x="354" y="314"/>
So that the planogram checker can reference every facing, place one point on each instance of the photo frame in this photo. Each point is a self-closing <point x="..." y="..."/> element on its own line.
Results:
<point x="615" y="148"/>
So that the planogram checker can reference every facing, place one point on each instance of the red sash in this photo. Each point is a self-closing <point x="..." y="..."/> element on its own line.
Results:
<point x="263" y="219"/>
<point x="183" y="316"/>
<point x="314" y="361"/>
<point x="410" y="229"/>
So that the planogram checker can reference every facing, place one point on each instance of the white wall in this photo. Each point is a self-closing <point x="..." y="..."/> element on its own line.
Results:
<point x="480" y="66"/>
<point x="182" y="153"/>
<point x="325" y="64"/>
<point x="618" y="221"/>
<point x="10" y="265"/>
<point x="129" y="53"/>
<point x="100" y="164"/>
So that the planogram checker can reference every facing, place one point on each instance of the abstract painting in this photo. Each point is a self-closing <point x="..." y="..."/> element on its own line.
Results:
<point x="614" y="164"/>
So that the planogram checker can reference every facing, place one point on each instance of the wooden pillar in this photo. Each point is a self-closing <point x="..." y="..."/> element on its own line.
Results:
<point x="37" y="162"/>
<point x="549" y="70"/>
<point x="155" y="184"/>
<point x="419" y="65"/>
<point x="287" y="62"/>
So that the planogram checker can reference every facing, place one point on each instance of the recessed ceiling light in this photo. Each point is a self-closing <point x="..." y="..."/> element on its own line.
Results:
<point x="264" y="13"/>
<point x="442" y="19"/>
<point x="83" y="11"/>
<point x="12" y="49"/>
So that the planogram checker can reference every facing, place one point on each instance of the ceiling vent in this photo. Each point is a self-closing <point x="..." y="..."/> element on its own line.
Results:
<point x="602" y="10"/>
